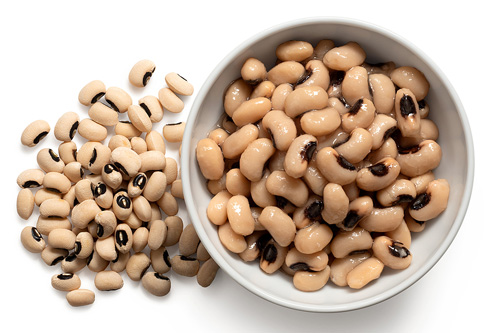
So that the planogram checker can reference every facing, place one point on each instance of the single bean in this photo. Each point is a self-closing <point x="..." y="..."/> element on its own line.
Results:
<point x="32" y="240"/>
<point x="170" y="101"/>
<point x="185" y="266"/>
<point x="340" y="267"/>
<point x="432" y="202"/>
<point x="311" y="281"/>
<point x="407" y="112"/>
<point x="141" y="72"/>
<point x="383" y="92"/>
<point x="294" y="50"/>
<point x="273" y="257"/>
<point x="237" y="92"/>
<point x="84" y="245"/>
<point x="156" y="284"/>
<point x="286" y="72"/>
<point x="359" y="209"/>
<point x="420" y="159"/>
<point x="105" y="247"/>
<point x="392" y="253"/>
<point x="251" y="111"/>
<point x="360" y="114"/>
<point x="119" y="264"/>
<point x="73" y="264"/>
<point x="210" y="159"/>
<point x="357" y="146"/>
<point x="52" y="256"/>
<point x="281" y="184"/>
<point x="67" y="152"/>
<point x="400" y="191"/>
<point x="305" y="99"/>
<point x="379" y="175"/>
<point x="232" y="241"/>
<point x="317" y="75"/>
<point x="157" y="234"/>
<point x="160" y="260"/>
<point x="355" y="85"/>
<point x="298" y="261"/>
<point x="336" y="204"/>
<point x="108" y="281"/>
<point x="91" y="92"/>
<point x="412" y="79"/>
<point x="137" y="265"/>
<point x="346" y="242"/>
<point x="279" y="224"/>
<point x="334" y="167"/>
<point x="344" y="57"/>
<point x="66" y="126"/>
<point x="207" y="273"/>
<point x="126" y="129"/>
<point x="383" y="219"/>
<point x="103" y="114"/>
<point x="153" y="108"/>
<point x="56" y="182"/>
<point x="188" y="241"/>
<point x="168" y="204"/>
<point x="25" y="203"/>
<point x="253" y="71"/>
<point x="313" y="238"/>
<point x="367" y="271"/>
<point x="299" y="154"/>
<point x="118" y="99"/>
<point x="139" y="118"/>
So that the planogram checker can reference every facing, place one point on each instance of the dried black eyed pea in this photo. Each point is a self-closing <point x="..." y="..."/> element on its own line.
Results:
<point x="25" y="203"/>
<point x="118" y="265"/>
<point x="174" y="132"/>
<point x="176" y="189"/>
<point x="126" y="129"/>
<point x="95" y="262"/>
<point x="123" y="238"/>
<point x="91" y="92"/>
<point x="140" y="239"/>
<point x="108" y="281"/>
<point x="66" y="126"/>
<point x="157" y="234"/>
<point x="174" y="230"/>
<point x="202" y="253"/>
<point x="154" y="141"/>
<point x="111" y="176"/>
<point x="73" y="264"/>
<point x="156" y="284"/>
<point x="83" y="213"/>
<point x="73" y="171"/>
<point x="126" y="160"/>
<point x="103" y="114"/>
<point x="154" y="188"/>
<point x="32" y="240"/>
<point x="118" y="99"/>
<point x="30" y="178"/>
<point x="152" y="160"/>
<point x="170" y="101"/>
<point x="160" y="260"/>
<point x="138" y="145"/>
<point x="139" y="118"/>
<point x="207" y="273"/>
<point x="141" y="72"/>
<point x="56" y="182"/>
<point x="54" y="208"/>
<point x="137" y="265"/>
<point x="46" y="224"/>
<point x="80" y="297"/>
<point x="106" y="223"/>
<point x="35" y="132"/>
<point x="91" y="130"/>
<point x="185" y="266"/>
<point x="62" y="239"/>
<point x="153" y="108"/>
<point x="66" y="281"/>
<point x="52" y="256"/>
<point x="168" y="204"/>
<point x="179" y="84"/>
<point x="188" y="241"/>
<point x="137" y="184"/>
<point x="67" y="152"/>
<point x="103" y="195"/>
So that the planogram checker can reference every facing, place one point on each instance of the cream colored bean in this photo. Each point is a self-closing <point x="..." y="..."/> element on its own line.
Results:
<point x="432" y="202"/>
<point x="253" y="71"/>
<point x="344" y="57"/>
<point x="229" y="125"/>
<point x="279" y="225"/>
<point x="72" y="264"/>
<point x="357" y="146"/>
<point x="367" y="271"/>
<point x="237" y="92"/>
<point x="46" y="224"/>
<point x="91" y="92"/>
<point x="232" y="241"/>
<point x="383" y="219"/>
<point x="294" y="50"/>
<point x="251" y="111"/>
<point x="346" y="242"/>
<point x="210" y="159"/>
<point x="428" y="131"/>
<point x="359" y="209"/>
<point x="321" y="48"/>
<point x="383" y="92"/>
<point x="126" y="160"/>
<point x="421" y="159"/>
<point x="174" y="230"/>
<point x="66" y="126"/>
<point x="335" y="167"/>
<point x="388" y="149"/>
<point x="141" y="72"/>
<point x="379" y="175"/>
<point x="236" y="143"/>
<point x="298" y="261"/>
<point x="421" y="182"/>
<point x="281" y="128"/>
<point x="401" y="234"/>
<point x="263" y="89"/>
<point x="106" y="223"/>
<point x="174" y="132"/>
<point x="299" y="154"/>
<point x="105" y="247"/>
<point x="67" y="152"/>
<point x="286" y="72"/>
<point x="108" y="281"/>
<point x="52" y="256"/>
<point x="170" y="169"/>
<point x="96" y="263"/>
<point x="80" y="297"/>
<point x="254" y="158"/>
<point x="311" y="281"/>
<point x="122" y="205"/>
<point x="392" y="253"/>
<point x="314" y="178"/>
<point x="73" y="171"/>
<point x="126" y="129"/>
<point x="103" y="114"/>
<point x="49" y="161"/>
<point x="412" y="79"/>
<point x="170" y="101"/>
<point x="279" y="96"/>
<point x="168" y="204"/>
<point x="153" y="108"/>
<point x="259" y="193"/>
<point x="236" y="183"/>
<point x="139" y="118"/>
<point x="156" y="284"/>
<point x="32" y="240"/>
<point x="140" y="239"/>
<point x="313" y="238"/>
<point x="30" y="178"/>
<point x="273" y="257"/>
<point x="218" y="135"/>
<point x="137" y="184"/>
<point x="83" y="190"/>
<point x="276" y="161"/>
<point x="407" y="112"/>
<point x="35" y="132"/>
<point x="317" y="75"/>
<point x="380" y="129"/>
<point x="137" y="266"/>
<point x="160" y="260"/>
<point x="155" y="187"/>
<point x="320" y="122"/>
<point x="84" y="245"/>
<point x="340" y="267"/>
<point x="25" y="203"/>
<point x="176" y="189"/>
<point x="178" y="84"/>
<point x="355" y="85"/>
<point x="138" y="145"/>
<point x="400" y="191"/>
<point x="305" y="99"/>
<point x="152" y="160"/>
<point x="118" y="265"/>
<point x="56" y="182"/>
<point x="281" y="184"/>
<point x="84" y="212"/>
<point x="61" y="239"/>
<point x="360" y="114"/>
<point x="123" y="238"/>
<point x="157" y="234"/>
<point x="54" y="208"/>
<point x="185" y="266"/>
<point x="239" y="215"/>
<point x="118" y="99"/>
<point x="154" y="141"/>
<point x="103" y="195"/>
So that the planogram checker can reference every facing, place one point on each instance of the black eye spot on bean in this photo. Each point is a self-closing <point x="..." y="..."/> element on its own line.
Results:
<point x="166" y="259"/>
<point x="356" y="107"/>
<point x="308" y="151"/>
<point x="379" y="169"/>
<point x="404" y="198"/>
<point x="407" y="106"/>
<point x="336" y="77"/>
<point x="121" y="168"/>
<point x="313" y="211"/>
<point x="147" y="76"/>
<point x="139" y="181"/>
<point x="30" y="184"/>
<point x="398" y="250"/>
<point x="299" y="266"/>
<point x="123" y="201"/>
<point x="78" y="247"/>
<point x="70" y="258"/>
<point x="161" y="277"/>
<point x="181" y="77"/>
<point x="109" y="168"/>
<point x="54" y="156"/>
<point x="90" y="257"/>
<point x="389" y="132"/>
<point x="185" y="258"/>
<point x="56" y="261"/>
<point x="420" y="201"/>
<point x="145" y="107"/>
<point x="304" y="77"/>
<point x="345" y="163"/>
<point x="272" y="137"/>
<point x="100" y="230"/>
<point x="40" y="137"/>
<point x="281" y="202"/>
<point x="422" y="104"/>
<point x="270" y="253"/>
<point x="97" y="97"/>
<point x="113" y="106"/>
<point x="99" y="189"/>
<point x="65" y="276"/>
<point x="94" y="157"/>
<point x="351" y="219"/>
<point x="263" y="240"/>
<point x="36" y="234"/>
<point x="409" y="150"/>
<point x="173" y="124"/>
<point x="121" y="238"/>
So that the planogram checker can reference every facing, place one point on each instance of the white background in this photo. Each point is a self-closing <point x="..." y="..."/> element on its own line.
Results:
<point x="49" y="50"/>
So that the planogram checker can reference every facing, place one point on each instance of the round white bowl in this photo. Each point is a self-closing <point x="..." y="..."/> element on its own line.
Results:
<point x="456" y="166"/>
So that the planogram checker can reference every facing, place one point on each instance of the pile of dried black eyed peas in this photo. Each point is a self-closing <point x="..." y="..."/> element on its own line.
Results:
<point x="101" y="205"/>
<point x="322" y="166"/>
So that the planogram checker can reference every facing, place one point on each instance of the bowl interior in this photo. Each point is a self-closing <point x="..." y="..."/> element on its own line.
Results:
<point x="456" y="165"/>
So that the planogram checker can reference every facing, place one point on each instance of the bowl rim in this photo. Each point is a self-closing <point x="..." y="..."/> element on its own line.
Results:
<point x="185" y="169"/>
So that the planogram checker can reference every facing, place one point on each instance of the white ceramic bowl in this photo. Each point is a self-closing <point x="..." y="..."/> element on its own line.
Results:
<point x="456" y="165"/>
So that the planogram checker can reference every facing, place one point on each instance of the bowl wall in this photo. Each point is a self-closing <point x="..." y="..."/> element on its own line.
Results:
<point x="456" y="165"/>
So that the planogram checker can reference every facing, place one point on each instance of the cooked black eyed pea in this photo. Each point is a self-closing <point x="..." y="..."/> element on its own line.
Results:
<point x="344" y="57"/>
<point x="141" y="72"/>
<point x="30" y="178"/>
<point x="334" y="91"/>
<point x="84" y="245"/>
<point x="263" y="89"/>
<point x="56" y="182"/>
<point x="73" y="264"/>
<point x="424" y="109"/>
<point x="35" y="132"/>
<point x="357" y="146"/>
<point x="108" y="281"/>
<point x="91" y="130"/>
<point x="174" y="230"/>
<point x="189" y="240"/>
<point x="236" y="143"/>
<point x="157" y="234"/>
<point x="278" y="224"/>
<point x="367" y="271"/>
<point x="311" y="211"/>
<point x="106" y="223"/>
<point x="179" y="84"/>
<point x="255" y="245"/>
<point x="111" y="176"/>
<point x="207" y="273"/>
<point x="218" y="135"/>
<point x="239" y="216"/>
<point x="340" y="267"/>
<point x="421" y="182"/>
<point x="281" y="128"/>
<point x="259" y="193"/>
<point x="360" y="114"/>
<point x="80" y="297"/>
<point x="379" y="175"/>
<point x="66" y="126"/>
<point x="400" y="191"/>
<point x="83" y="213"/>
<point x="286" y="72"/>
<point x="335" y="167"/>
<point x="298" y="261"/>
<point x="137" y="184"/>
<point x="428" y="131"/>
<point x="320" y="122"/>
<point x="346" y="242"/>
<point x="299" y="154"/>
<point x="174" y="132"/>
<point x="185" y="266"/>
<point x="273" y="256"/>
<point x="96" y="263"/>
<point x="156" y="284"/>
<point x="383" y="219"/>
<point x="407" y="112"/>
<point x="118" y="99"/>
<point x="137" y="265"/>
<point x="432" y="202"/>
<point x="254" y="158"/>
<point x="67" y="152"/>
<point x="217" y="207"/>
<point x="122" y="205"/>
<point x="294" y="50"/>
<point x="305" y="99"/>
<point x="139" y="118"/>
<point x="210" y="159"/>
<point x="383" y="92"/>
<point x="251" y="111"/>
<point x="73" y="171"/>
<point x="279" y="183"/>
<point x="118" y="265"/>
<point x="401" y="234"/>
<point x="412" y="79"/>
<point x="311" y="281"/>
<point x="61" y="239"/>
<point x="160" y="260"/>
<point x="335" y="204"/>
<point x="420" y="159"/>
<point x="279" y="96"/>
<point x="170" y="101"/>
<point x="126" y="129"/>
<point x="388" y="149"/>
<point x="66" y="281"/>
<point x="52" y="256"/>
<point x="91" y="92"/>
<point x="232" y="241"/>
<point x="380" y="129"/>
<point x="228" y="125"/>
<point x="126" y="160"/>
<point x="317" y="75"/>
<point x="54" y="208"/>
<point x="46" y="224"/>
<point x="392" y="253"/>
<point x="355" y="85"/>
<point x="359" y="209"/>
<point x="237" y="92"/>
<point x="313" y="238"/>
<point x="25" y="203"/>
<point x="32" y="240"/>
<point x="103" y="114"/>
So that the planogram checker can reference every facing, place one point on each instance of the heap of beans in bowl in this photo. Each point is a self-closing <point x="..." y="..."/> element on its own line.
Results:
<point x="322" y="165"/>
